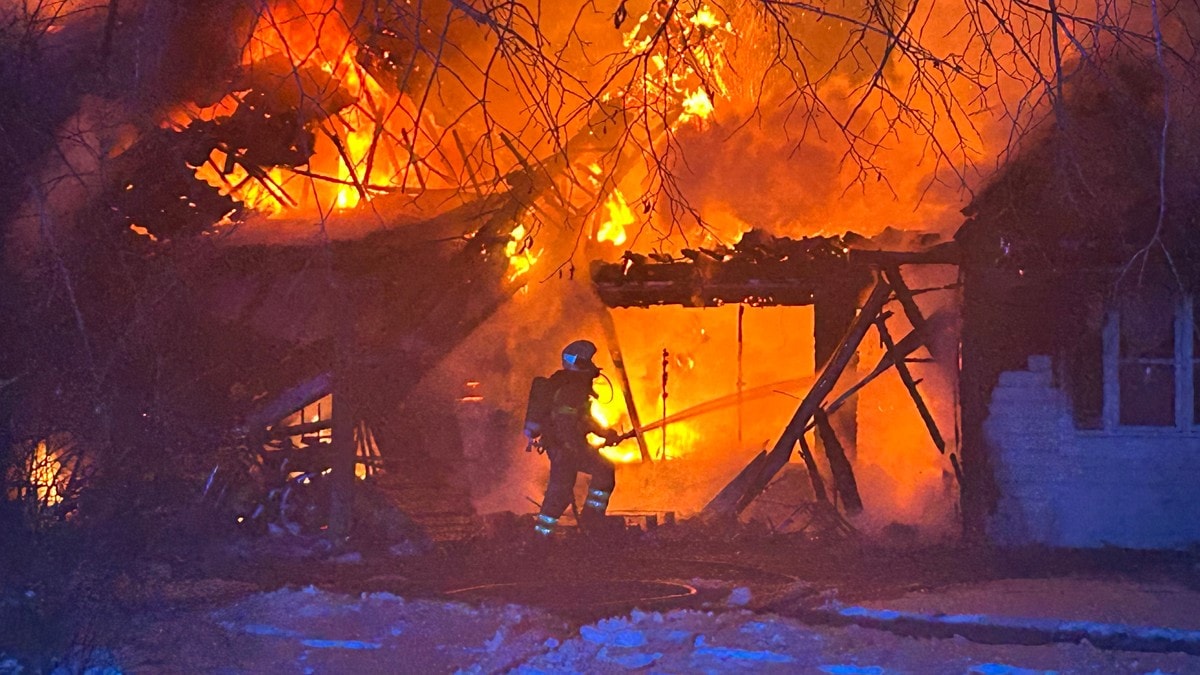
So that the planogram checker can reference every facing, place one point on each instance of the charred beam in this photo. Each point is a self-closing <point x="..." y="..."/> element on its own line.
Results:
<point x="946" y="253"/>
<point x="306" y="393"/>
<point x="910" y="384"/>
<point x="907" y="345"/>
<point x="734" y="489"/>
<point x="301" y="429"/>
<point x="839" y="465"/>
<point x="909" y="303"/>
<point x="614" y="347"/>
<point x="833" y="314"/>
<point x="814" y="476"/>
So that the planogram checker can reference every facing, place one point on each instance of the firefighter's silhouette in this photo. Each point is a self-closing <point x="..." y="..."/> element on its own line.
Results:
<point x="562" y="428"/>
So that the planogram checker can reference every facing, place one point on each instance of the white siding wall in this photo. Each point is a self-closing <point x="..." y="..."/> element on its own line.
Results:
<point x="1060" y="486"/>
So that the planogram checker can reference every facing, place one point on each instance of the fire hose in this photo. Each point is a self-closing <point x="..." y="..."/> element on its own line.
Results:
<point x="718" y="403"/>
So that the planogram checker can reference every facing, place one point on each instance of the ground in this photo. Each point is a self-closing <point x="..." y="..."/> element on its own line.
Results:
<point x="672" y="601"/>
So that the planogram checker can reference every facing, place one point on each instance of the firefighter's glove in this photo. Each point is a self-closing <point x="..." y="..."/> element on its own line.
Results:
<point x="533" y="430"/>
<point x="611" y="437"/>
<point x="533" y="438"/>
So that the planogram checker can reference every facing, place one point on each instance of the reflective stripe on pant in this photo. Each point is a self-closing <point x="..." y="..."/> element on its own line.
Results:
<point x="545" y="525"/>
<point x="598" y="500"/>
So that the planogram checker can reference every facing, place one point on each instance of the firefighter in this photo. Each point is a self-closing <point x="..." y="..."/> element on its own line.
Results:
<point x="564" y="437"/>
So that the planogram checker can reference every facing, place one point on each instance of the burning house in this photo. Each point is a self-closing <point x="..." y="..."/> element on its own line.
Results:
<point x="341" y="237"/>
<point x="325" y="238"/>
<point x="884" y="296"/>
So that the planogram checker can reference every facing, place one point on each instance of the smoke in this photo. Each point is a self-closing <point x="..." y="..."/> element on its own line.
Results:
<point x="773" y="183"/>
<point x="901" y="475"/>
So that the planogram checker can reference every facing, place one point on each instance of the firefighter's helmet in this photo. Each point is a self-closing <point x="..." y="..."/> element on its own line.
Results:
<point x="578" y="356"/>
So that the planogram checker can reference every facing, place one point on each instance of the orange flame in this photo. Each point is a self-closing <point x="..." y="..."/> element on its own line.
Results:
<point x="369" y="140"/>
<point x="519" y="250"/>
<point x="619" y="216"/>
<point x="688" y="60"/>
<point x="44" y="476"/>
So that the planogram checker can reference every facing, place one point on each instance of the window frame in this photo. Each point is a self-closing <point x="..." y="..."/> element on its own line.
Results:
<point x="1186" y="367"/>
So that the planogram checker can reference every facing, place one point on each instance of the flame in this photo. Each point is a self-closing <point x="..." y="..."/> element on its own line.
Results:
<point x="697" y="105"/>
<point x="687" y="63"/>
<point x="705" y="18"/>
<point x="519" y="250"/>
<point x="619" y="215"/>
<point x="44" y="474"/>
<point x="368" y="139"/>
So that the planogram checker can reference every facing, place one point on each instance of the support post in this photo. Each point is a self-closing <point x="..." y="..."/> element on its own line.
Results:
<point x="833" y="313"/>
<point x="343" y="451"/>
<point x="741" y="383"/>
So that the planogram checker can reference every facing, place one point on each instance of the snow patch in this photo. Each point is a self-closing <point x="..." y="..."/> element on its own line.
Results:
<point x="340" y="644"/>
<point x="725" y="653"/>
<point x="740" y="597"/>
<point x="613" y="632"/>
<point x="1005" y="669"/>
<point x="702" y="648"/>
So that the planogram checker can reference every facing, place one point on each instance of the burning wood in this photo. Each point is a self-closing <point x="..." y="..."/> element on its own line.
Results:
<point x="45" y="477"/>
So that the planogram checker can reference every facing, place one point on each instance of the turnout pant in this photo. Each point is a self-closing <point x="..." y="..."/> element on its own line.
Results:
<point x="567" y="460"/>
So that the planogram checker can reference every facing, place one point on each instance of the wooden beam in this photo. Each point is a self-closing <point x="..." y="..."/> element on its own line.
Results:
<point x="839" y="465"/>
<point x="735" y="488"/>
<point x="946" y="253"/>
<point x="833" y="313"/>
<point x="306" y="393"/>
<point x="909" y="303"/>
<point x="814" y="476"/>
<point x="907" y="345"/>
<point x="614" y="350"/>
<point x="911" y="384"/>
<point x="301" y="429"/>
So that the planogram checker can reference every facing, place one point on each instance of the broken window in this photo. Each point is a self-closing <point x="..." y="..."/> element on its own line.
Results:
<point x="1149" y="343"/>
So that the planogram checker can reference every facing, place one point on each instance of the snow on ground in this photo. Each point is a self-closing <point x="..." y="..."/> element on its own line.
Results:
<point x="741" y="641"/>
<point x="1062" y="599"/>
<point x="311" y="630"/>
